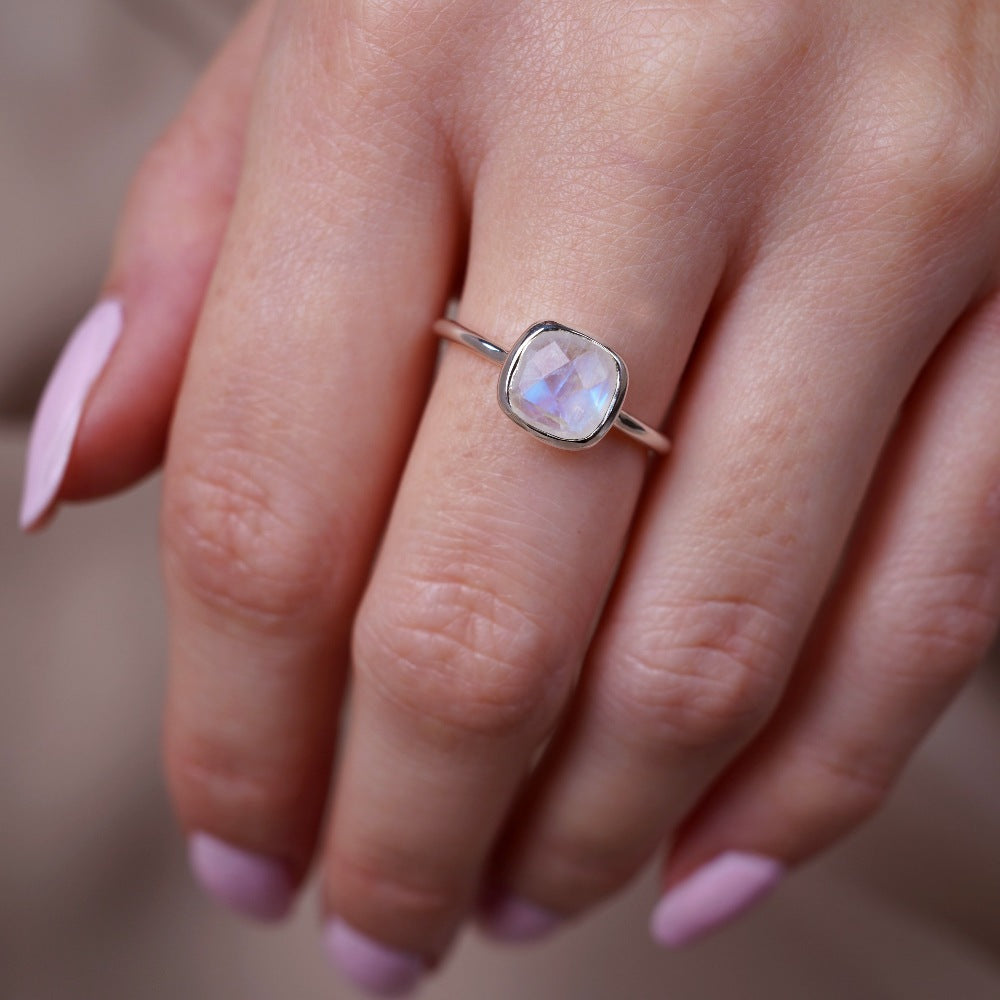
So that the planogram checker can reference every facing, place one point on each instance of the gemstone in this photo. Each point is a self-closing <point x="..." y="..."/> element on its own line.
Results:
<point x="563" y="383"/>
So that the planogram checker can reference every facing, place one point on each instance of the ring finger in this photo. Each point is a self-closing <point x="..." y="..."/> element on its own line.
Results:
<point x="494" y="567"/>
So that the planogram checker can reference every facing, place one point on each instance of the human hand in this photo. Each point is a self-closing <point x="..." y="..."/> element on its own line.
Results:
<point x="785" y="217"/>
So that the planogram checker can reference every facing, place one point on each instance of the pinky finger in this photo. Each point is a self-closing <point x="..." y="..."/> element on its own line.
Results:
<point x="102" y="421"/>
<point x="913" y="612"/>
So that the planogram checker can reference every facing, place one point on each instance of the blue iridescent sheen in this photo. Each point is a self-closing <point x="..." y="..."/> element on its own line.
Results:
<point x="564" y="384"/>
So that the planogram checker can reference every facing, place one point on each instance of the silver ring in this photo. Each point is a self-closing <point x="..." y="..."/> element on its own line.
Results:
<point x="560" y="384"/>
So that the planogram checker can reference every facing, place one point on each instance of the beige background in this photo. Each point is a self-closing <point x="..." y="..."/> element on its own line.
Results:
<point x="95" y="901"/>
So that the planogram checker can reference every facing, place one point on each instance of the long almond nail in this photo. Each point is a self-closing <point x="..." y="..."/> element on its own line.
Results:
<point x="61" y="408"/>
<point x="250" y="883"/>
<point x="712" y="896"/>
<point x="374" y="967"/>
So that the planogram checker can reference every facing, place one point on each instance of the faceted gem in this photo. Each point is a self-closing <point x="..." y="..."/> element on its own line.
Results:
<point x="564" y="384"/>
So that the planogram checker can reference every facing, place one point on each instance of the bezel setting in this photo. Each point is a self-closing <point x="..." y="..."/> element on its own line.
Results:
<point x="510" y="369"/>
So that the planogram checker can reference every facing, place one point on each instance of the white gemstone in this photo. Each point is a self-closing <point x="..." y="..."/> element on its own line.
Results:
<point x="564" y="384"/>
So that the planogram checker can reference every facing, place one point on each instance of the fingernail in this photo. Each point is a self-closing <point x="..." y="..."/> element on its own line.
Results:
<point x="712" y="896"/>
<point x="374" y="967"/>
<point x="252" y="884"/>
<point x="58" y="416"/>
<point x="512" y="919"/>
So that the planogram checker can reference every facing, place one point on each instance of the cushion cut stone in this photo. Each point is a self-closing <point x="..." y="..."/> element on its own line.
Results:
<point x="564" y="384"/>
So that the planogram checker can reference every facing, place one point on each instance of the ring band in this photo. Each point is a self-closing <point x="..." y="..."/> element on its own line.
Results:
<point x="559" y="384"/>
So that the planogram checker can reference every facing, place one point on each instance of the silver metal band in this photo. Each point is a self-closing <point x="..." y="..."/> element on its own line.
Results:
<point x="624" y="422"/>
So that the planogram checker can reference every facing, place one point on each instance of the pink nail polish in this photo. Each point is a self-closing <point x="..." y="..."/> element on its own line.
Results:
<point x="374" y="967"/>
<point x="61" y="408"/>
<point x="712" y="896"/>
<point x="514" y="920"/>
<point x="249" y="883"/>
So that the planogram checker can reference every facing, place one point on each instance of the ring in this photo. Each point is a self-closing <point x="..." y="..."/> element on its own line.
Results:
<point x="562" y="385"/>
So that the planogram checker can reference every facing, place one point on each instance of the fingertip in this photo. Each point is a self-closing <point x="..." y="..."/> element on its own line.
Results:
<point x="60" y="410"/>
<point x="369" y="964"/>
<point x="252" y="884"/>
<point x="514" y="920"/>
<point x="712" y="896"/>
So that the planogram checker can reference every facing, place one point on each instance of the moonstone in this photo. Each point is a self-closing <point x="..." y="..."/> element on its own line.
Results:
<point x="564" y="384"/>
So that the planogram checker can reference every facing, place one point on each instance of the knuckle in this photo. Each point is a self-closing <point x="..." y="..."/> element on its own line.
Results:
<point x="245" y="544"/>
<point x="948" y="151"/>
<point x="171" y="150"/>
<point x="159" y="161"/>
<point x="948" y="620"/>
<point x="455" y="650"/>
<point x="407" y="34"/>
<point x="755" y="44"/>
<point x="179" y="161"/>
<point x="705" y="675"/>
<point x="400" y="16"/>
<point x="834" y="790"/>
<point x="727" y="53"/>
<point x="718" y="38"/>
<point x="933" y="143"/>
<point x="583" y="867"/>
<point x="407" y="888"/>
<point x="209" y="777"/>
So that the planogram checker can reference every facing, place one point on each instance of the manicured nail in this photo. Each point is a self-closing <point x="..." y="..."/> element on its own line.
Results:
<point x="250" y="883"/>
<point x="374" y="967"/>
<point x="512" y="919"/>
<point x="61" y="408"/>
<point x="713" y="895"/>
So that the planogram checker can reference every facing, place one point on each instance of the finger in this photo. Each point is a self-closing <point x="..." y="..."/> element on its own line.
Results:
<point x="914" y="611"/>
<point x="102" y="421"/>
<point x="741" y="533"/>
<point x="499" y="551"/>
<point x="303" y="386"/>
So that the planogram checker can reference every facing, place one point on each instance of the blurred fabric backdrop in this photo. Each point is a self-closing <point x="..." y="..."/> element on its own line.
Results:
<point x="95" y="900"/>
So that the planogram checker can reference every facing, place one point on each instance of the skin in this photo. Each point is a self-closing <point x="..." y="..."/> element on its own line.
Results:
<point x="785" y="216"/>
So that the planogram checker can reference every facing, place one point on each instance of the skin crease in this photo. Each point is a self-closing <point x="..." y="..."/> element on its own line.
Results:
<point x="786" y="217"/>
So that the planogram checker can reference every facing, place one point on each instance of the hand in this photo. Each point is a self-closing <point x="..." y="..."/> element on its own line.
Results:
<point x="784" y="216"/>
